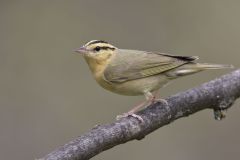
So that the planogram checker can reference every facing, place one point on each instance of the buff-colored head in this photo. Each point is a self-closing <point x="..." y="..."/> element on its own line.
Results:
<point x="97" y="50"/>
<point x="98" y="54"/>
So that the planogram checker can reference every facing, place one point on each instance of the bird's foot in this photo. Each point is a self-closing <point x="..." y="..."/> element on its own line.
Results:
<point x="128" y="114"/>
<point x="160" y="100"/>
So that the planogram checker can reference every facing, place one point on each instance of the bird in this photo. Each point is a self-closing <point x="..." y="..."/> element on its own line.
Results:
<point x="134" y="72"/>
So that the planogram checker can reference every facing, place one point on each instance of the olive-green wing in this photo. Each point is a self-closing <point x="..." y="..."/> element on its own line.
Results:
<point x="129" y="65"/>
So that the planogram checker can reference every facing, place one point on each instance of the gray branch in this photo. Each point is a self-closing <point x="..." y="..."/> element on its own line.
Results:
<point x="218" y="95"/>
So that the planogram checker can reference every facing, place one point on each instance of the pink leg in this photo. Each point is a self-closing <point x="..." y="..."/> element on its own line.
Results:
<point x="132" y="112"/>
<point x="136" y="108"/>
<point x="155" y="99"/>
<point x="150" y="99"/>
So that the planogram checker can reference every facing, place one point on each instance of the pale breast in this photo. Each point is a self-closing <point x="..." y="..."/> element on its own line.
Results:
<point x="135" y="87"/>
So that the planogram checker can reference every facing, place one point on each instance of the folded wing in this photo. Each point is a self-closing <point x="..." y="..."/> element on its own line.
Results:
<point x="130" y="65"/>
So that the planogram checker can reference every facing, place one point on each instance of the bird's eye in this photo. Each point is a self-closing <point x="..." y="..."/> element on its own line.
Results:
<point x="97" y="48"/>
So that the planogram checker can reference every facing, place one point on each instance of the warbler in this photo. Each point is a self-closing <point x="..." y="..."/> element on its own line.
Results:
<point x="134" y="72"/>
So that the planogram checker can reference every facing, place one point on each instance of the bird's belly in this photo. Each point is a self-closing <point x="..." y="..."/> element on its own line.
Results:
<point x="136" y="87"/>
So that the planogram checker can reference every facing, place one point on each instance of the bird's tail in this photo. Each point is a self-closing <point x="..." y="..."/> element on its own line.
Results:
<point x="191" y="68"/>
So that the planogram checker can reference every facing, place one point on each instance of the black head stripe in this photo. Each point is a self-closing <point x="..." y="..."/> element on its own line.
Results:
<point x="106" y="48"/>
<point x="97" y="41"/>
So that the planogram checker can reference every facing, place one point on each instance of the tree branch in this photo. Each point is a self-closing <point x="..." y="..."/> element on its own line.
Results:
<point x="218" y="95"/>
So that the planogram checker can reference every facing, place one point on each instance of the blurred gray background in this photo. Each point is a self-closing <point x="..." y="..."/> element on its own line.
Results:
<point x="48" y="95"/>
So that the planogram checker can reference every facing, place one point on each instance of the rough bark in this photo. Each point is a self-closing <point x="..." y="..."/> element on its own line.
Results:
<point x="218" y="95"/>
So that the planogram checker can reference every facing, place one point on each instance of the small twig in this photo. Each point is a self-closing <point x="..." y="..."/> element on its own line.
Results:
<point x="218" y="95"/>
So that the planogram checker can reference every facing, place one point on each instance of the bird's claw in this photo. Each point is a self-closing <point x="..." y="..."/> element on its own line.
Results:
<point x="130" y="114"/>
<point x="161" y="101"/>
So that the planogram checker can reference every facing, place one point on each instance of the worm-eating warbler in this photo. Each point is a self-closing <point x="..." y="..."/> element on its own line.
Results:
<point x="133" y="72"/>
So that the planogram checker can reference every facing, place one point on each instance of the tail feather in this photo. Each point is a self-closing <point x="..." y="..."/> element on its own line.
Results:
<point x="191" y="68"/>
<point x="208" y="66"/>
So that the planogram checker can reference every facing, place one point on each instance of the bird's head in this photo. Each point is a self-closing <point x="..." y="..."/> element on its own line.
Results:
<point x="97" y="50"/>
<point x="98" y="54"/>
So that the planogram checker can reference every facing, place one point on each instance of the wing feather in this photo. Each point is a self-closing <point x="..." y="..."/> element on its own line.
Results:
<point x="131" y="64"/>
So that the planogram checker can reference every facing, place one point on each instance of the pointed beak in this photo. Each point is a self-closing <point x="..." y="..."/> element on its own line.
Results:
<point x="81" y="50"/>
